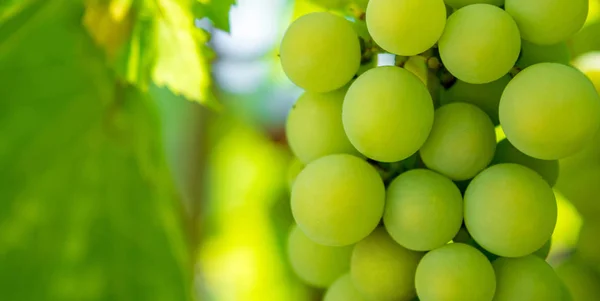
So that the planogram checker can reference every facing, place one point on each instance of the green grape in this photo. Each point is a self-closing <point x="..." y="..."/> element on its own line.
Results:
<point x="588" y="246"/>
<point x="314" y="126"/>
<point x="320" y="52"/>
<point x="362" y="4"/>
<point x="510" y="210"/>
<point x="580" y="187"/>
<point x="331" y="4"/>
<point x="581" y="280"/>
<point x="507" y="153"/>
<point x="532" y="54"/>
<point x="316" y="264"/>
<point x="547" y="22"/>
<point x="544" y="250"/>
<point x="338" y="200"/>
<point x="586" y="40"/>
<point x="587" y="158"/>
<point x="565" y="293"/>
<point x="550" y="111"/>
<point x="406" y="27"/>
<point x="382" y="269"/>
<point x="423" y="210"/>
<point x="525" y="279"/>
<point x="480" y="44"/>
<point x="343" y="290"/>
<point x="387" y="113"/>
<point x="456" y="4"/>
<point x="455" y="272"/>
<point x="461" y="143"/>
<point x="484" y="96"/>
<point x="294" y="168"/>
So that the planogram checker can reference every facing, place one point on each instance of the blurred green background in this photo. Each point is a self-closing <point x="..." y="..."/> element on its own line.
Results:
<point x="143" y="155"/>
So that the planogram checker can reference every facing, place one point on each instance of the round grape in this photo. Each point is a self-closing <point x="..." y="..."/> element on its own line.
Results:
<point x="320" y="52"/>
<point x="406" y="27"/>
<point x="580" y="187"/>
<point x="331" y="4"/>
<point x="387" y="113"/>
<point x="549" y="111"/>
<point x="588" y="246"/>
<point x="343" y="290"/>
<point x="526" y="278"/>
<point x="480" y="44"/>
<point x="314" y="126"/>
<point x="547" y="22"/>
<point x="507" y="153"/>
<point x="510" y="210"/>
<point x="461" y="143"/>
<point x="382" y="269"/>
<point x="580" y="279"/>
<point x="532" y="54"/>
<point x="316" y="264"/>
<point x="455" y="272"/>
<point x="423" y="210"/>
<point x="456" y="4"/>
<point x="338" y="200"/>
<point x="484" y="96"/>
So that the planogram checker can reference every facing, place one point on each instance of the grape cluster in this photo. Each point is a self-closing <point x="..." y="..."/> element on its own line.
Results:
<point x="402" y="189"/>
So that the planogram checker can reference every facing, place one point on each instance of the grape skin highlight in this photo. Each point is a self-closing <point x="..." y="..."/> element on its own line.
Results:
<point x="510" y="210"/>
<point x="320" y="52"/>
<point x="550" y="111"/>
<point x="382" y="269"/>
<point x="387" y="114"/>
<point x="423" y="210"/>
<point x="480" y="44"/>
<point x="455" y="272"/>
<point x="338" y="200"/>
<point x="314" y="126"/>
<point x="406" y="27"/>
<point x="546" y="22"/>
<point x="461" y="143"/>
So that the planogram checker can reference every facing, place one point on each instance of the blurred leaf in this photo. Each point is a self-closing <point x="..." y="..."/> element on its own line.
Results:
<point x="215" y="10"/>
<point x="87" y="211"/>
<point x="154" y="41"/>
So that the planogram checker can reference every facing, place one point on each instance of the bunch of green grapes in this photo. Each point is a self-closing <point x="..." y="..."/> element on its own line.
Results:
<point x="400" y="189"/>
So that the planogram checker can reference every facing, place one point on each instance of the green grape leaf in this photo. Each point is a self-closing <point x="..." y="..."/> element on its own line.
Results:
<point x="215" y="10"/>
<point x="153" y="42"/>
<point x="88" y="211"/>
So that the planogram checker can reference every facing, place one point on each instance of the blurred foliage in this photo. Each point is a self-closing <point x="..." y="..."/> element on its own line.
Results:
<point x="88" y="211"/>
<point x="154" y="41"/>
<point x="215" y="10"/>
